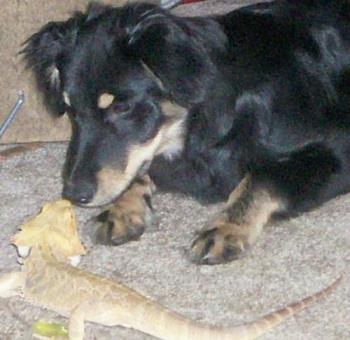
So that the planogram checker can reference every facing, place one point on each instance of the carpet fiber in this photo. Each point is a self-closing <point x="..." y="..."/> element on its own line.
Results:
<point x="291" y="260"/>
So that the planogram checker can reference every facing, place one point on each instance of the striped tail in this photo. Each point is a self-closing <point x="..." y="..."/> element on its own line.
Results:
<point x="256" y="328"/>
<point x="164" y="324"/>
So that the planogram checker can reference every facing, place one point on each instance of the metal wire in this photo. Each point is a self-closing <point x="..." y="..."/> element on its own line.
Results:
<point x="7" y="122"/>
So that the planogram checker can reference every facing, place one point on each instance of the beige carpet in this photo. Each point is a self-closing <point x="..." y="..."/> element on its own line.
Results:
<point x="291" y="260"/>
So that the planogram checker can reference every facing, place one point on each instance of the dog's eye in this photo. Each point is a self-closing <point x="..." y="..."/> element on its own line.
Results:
<point x="119" y="107"/>
<point x="117" y="110"/>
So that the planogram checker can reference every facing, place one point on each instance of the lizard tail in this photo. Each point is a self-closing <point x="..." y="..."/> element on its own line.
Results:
<point x="165" y="324"/>
<point x="259" y="327"/>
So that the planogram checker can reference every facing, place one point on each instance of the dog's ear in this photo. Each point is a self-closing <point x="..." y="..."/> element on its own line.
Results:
<point x="96" y="9"/>
<point x="172" y="50"/>
<point x="44" y="53"/>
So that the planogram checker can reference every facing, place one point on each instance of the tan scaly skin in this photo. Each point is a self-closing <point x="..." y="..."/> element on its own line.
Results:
<point x="48" y="280"/>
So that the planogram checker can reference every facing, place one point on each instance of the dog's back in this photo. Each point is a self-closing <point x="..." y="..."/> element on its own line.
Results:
<point x="259" y="96"/>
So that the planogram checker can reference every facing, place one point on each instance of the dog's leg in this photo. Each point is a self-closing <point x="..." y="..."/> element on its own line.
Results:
<point x="299" y="182"/>
<point x="127" y="219"/>
<point x="238" y="226"/>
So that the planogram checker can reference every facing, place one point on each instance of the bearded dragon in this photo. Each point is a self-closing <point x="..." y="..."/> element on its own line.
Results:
<point x="50" y="248"/>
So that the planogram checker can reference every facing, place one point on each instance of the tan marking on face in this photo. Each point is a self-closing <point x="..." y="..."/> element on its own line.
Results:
<point x="54" y="75"/>
<point x="66" y="98"/>
<point x="111" y="182"/>
<point x="173" y="129"/>
<point x="105" y="100"/>
<point x="171" y="109"/>
<point x="168" y="141"/>
<point x="141" y="153"/>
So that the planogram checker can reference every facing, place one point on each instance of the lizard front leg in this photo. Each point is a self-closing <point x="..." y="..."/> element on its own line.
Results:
<point x="104" y="313"/>
<point x="77" y="319"/>
<point x="12" y="284"/>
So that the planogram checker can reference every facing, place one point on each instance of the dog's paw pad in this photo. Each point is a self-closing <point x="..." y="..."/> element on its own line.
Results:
<point x="120" y="225"/>
<point x="215" y="246"/>
<point x="116" y="232"/>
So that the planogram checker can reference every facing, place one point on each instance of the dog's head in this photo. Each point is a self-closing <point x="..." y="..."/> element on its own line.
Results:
<point x="126" y="77"/>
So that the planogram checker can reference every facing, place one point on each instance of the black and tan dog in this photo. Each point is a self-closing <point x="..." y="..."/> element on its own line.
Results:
<point x="252" y="107"/>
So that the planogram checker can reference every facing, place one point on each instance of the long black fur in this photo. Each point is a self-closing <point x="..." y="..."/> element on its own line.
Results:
<point x="267" y="88"/>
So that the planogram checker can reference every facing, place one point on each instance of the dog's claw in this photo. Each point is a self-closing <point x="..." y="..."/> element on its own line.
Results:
<point x="213" y="246"/>
<point x="121" y="228"/>
<point x="105" y="235"/>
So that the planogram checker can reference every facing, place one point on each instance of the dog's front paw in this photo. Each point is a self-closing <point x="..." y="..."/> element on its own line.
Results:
<point x="217" y="245"/>
<point x="123" y="223"/>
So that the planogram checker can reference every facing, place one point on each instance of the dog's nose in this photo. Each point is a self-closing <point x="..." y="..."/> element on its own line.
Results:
<point x="81" y="194"/>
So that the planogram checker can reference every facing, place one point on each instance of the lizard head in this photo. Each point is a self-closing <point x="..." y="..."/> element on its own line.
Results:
<point x="54" y="229"/>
